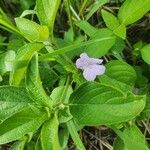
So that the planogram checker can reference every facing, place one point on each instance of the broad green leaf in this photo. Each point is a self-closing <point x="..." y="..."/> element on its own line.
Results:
<point x="47" y="10"/>
<point x="95" y="7"/>
<point x="22" y="59"/>
<point x="146" y="111"/>
<point x="121" y="31"/>
<point x="15" y="42"/>
<point x="27" y="4"/>
<point x="12" y="100"/>
<point x="113" y="24"/>
<point x="106" y="39"/>
<point x="38" y="144"/>
<point x="135" y="142"/>
<point x="121" y="71"/>
<point x="6" y="61"/>
<point x="133" y="10"/>
<point x="57" y="94"/>
<point x="104" y="79"/>
<point x="31" y="30"/>
<point x="101" y="48"/>
<point x="102" y="104"/>
<point x="61" y="95"/>
<point x="48" y="76"/>
<point x="74" y="135"/>
<point x="34" y="84"/>
<point x="69" y="36"/>
<point x="141" y="80"/>
<point x="110" y="20"/>
<point x="119" y="46"/>
<point x="63" y="137"/>
<point x="138" y="45"/>
<point x="86" y="27"/>
<point x="27" y="12"/>
<point x="1" y="79"/>
<point x="19" y="145"/>
<point x="4" y="21"/>
<point x="49" y="134"/>
<point x="30" y="145"/>
<point x="145" y="51"/>
<point x="118" y="144"/>
<point x="20" y="124"/>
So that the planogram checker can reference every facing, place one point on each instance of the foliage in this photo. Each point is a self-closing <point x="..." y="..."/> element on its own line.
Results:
<point x="44" y="98"/>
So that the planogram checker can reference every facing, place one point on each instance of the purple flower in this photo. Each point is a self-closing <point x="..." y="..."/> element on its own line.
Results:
<point x="91" y="66"/>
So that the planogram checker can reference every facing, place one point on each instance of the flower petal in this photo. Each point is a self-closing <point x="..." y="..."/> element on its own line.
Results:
<point x="82" y="62"/>
<point x="98" y="69"/>
<point x="89" y="75"/>
<point x="84" y="56"/>
<point x="79" y="63"/>
<point x="96" y="61"/>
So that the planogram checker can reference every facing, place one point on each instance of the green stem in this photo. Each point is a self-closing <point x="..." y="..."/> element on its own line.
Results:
<point x="10" y="27"/>
<point x="83" y="7"/>
<point x="67" y="4"/>
<point x="64" y="93"/>
<point x="74" y="134"/>
<point x="74" y="12"/>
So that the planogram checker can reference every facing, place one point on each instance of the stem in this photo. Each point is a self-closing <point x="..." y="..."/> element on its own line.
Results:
<point x="67" y="4"/>
<point x="83" y="7"/>
<point x="64" y="93"/>
<point x="74" y="134"/>
<point x="55" y="4"/>
<point x="75" y="14"/>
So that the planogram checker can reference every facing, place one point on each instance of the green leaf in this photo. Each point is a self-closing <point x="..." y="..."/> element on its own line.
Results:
<point x="27" y="12"/>
<point x="133" y="10"/>
<point x="34" y="84"/>
<point x="19" y="145"/>
<point x="48" y="76"/>
<point x="141" y="80"/>
<point x="57" y="94"/>
<point x="135" y="142"/>
<point x="118" y="144"/>
<point x="74" y="135"/>
<point x="6" y="61"/>
<point x="121" y="31"/>
<point x="104" y="79"/>
<point x="145" y="51"/>
<point x="15" y="42"/>
<point x="31" y="30"/>
<point x="138" y="45"/>
<point x="69" y="36"/>
<point x="22" y="59"/>
<point x="4" y="21"/>
<point x="61" y="95"/>
<point x="110" y="20"/>
<point x="121" y="71"/>
<point x="49" y="134"/>
<point x="146" y="111"/>
<point x="106" y="39"/>
<point x="101" y="48"/>
<point x="112" y="23"/>
<point x="63" y="137"/>
<point x="99" y="104"/>
<point x="119" y="46"/>
<point x="47" y="10"/>
<point x="38" y="144"/>
<point x="95" y="7"/>
<point x="30" y="146"/>
<point x="20" y="124"/>
<point x="86" y="27"/>
<point x="12" y="100"/>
